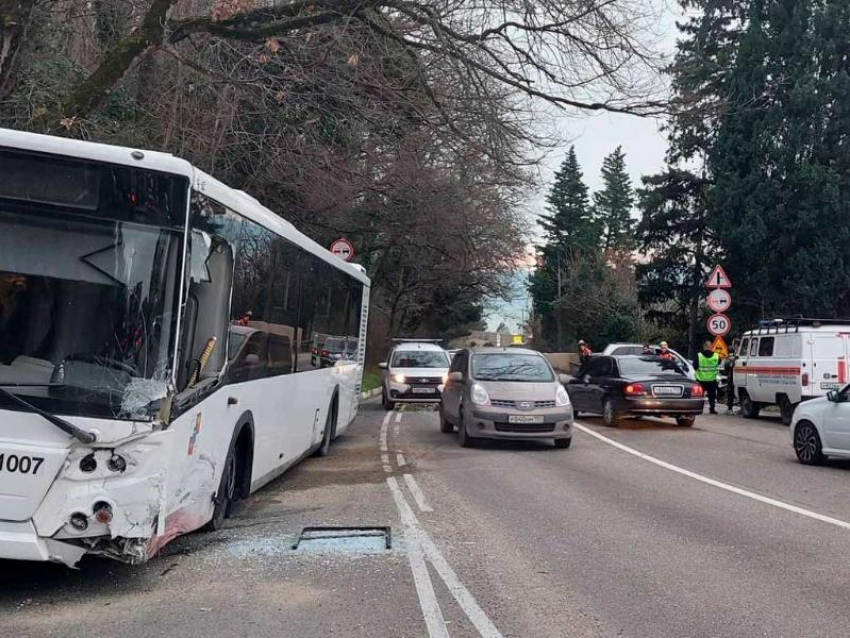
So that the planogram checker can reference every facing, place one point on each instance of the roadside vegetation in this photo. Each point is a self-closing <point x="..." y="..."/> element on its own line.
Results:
<point x="757" y="178"/>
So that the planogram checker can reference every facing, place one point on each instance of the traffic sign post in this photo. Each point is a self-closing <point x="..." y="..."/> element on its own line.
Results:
<point x="719" y="301"/>
<point x="343" y="249"/>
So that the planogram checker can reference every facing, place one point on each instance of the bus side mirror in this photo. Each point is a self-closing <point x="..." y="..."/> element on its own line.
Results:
<point x="383" y="365"/>
<point x="833" y="396"/>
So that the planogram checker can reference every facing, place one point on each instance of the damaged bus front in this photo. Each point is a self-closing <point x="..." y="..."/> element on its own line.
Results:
<point x="91" y="256"/>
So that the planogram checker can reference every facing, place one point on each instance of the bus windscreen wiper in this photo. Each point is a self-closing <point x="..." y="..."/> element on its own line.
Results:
<point x="62" y="424"/>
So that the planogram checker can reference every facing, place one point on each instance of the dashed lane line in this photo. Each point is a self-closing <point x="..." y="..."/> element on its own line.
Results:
<point x="399" y="457"/>
<point x="713" y="482"/>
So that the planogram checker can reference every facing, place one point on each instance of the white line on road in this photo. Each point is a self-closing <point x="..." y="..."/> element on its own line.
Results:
<point x="416" y="535"/>
<point x="418" y="496"/>
<point x="400" y="459"/>
<point x="384" y="431"/>
<point x="398" y="417"/>
<point x="710" y="481"/>
<point x="434" y="621"/>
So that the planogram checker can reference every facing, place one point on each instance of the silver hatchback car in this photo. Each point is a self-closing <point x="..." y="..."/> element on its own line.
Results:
<point x="505" y="393"/>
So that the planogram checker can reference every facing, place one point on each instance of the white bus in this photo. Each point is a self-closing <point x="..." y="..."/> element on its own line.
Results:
<point x="156" y="330"/>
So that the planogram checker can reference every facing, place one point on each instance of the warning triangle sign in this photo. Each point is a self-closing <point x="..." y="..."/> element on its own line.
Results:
<point x="719" y="346"/>
<point x="718" y="278"/>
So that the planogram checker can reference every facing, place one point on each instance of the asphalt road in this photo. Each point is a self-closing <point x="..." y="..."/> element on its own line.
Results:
<point x="646" y="530"/>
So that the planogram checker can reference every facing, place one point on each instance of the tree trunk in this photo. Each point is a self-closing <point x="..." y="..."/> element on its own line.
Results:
<point x="117" y="61"/>
<point x="14" y="17"/>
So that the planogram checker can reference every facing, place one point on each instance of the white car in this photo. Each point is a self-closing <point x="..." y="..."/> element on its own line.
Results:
<point x="414" y="372"/>
<point x="821" y="428"/>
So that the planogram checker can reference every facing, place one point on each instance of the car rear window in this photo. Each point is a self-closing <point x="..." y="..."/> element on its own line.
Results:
<point x="499" y="366"/>
<point x="630" y="366"/>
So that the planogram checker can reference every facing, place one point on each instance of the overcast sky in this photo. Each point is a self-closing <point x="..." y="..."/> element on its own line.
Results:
<point x="594" y="137"/>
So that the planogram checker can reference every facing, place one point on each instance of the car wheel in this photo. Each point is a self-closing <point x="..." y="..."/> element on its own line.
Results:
<point x="749" y="409"/>
<point x="807" y="444"/>
<point x="445" y="426"/>
<point x="385" y="401"/>
<point x="463" y="436"/>
<point x="609" y="418"/>
<point x="685" y="421"/>
<point x="786" y="409"/>
<point x="563" y="444"/>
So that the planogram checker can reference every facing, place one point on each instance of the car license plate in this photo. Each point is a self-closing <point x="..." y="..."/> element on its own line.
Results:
<point x="667" y="390"/>
<point x="424" y="390"/>
<point x="524" y="419"/>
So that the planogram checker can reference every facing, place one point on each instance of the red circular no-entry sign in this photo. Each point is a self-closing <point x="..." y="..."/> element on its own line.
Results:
<point x="343" y="249"/>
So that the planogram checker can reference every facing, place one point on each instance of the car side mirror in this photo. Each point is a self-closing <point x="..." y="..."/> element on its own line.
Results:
<point x="383" y="365"/>
<point x="564" y="379"/>
<point x="585" y="379"/>
<point x="456" y="376"/>
<point x="833" y="396"/>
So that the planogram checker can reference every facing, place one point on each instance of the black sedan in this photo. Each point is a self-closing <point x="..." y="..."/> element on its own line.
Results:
<point x="644" y="385"/>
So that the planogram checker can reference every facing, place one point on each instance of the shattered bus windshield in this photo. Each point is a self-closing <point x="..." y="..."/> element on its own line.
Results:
<point x="88" y="286"/>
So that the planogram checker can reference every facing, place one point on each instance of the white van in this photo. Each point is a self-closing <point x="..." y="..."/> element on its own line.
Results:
<point x="785" y="362"/>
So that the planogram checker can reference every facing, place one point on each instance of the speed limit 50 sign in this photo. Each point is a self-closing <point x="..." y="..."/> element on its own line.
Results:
<point x="718" y="324"/>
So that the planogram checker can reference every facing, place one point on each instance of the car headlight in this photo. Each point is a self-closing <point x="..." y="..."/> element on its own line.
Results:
<point x="399" y="378"/>
<point x="561" y="397"/>
<point x="479" y="395"/>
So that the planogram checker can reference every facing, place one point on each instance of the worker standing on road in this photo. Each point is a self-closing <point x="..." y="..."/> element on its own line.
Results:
<point x="584" y="350"/>
<point x="664" y="352"/>
<point x="707" y="365"/>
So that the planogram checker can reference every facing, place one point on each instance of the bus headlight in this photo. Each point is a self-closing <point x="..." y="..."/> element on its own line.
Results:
<point x="399" y="378"/>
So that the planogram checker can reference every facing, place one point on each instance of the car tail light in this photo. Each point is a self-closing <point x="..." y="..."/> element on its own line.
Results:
<point x="697" y="391"/>
<point x="805" y="379"/>
<point x="634" y="389"/>
<point x="324" y="353"/>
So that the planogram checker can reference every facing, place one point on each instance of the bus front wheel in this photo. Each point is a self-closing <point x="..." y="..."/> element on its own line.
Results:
<point x="225" y="496"/>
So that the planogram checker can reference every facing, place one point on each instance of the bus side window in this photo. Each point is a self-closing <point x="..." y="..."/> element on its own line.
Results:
<point x="754" y="347"/>
<point x="742" y="350"/>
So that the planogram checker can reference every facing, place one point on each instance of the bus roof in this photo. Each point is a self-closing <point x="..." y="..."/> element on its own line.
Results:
<point x="239" y="201"/>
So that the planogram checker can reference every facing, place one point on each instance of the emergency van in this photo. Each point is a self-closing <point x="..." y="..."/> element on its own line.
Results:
<point x="784" y="362"/>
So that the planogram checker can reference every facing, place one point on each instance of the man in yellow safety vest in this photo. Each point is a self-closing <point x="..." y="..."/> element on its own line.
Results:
<point x="707" y="365"/>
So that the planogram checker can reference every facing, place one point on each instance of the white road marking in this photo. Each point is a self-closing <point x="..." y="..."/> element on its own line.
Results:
<point x="434" y="621"/>
<point x="416" y="535"/>
<point x="384" y="431"/>
<point x="418" y="496"/>
<point x="398" y="417"/>
<point x="719" y="484"/>
<point x="400" y="460"/>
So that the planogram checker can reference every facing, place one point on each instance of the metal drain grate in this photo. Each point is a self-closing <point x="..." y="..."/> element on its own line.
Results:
<point x="344" y="539"/>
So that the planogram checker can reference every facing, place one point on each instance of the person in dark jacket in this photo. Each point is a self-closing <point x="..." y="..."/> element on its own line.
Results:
<point x="707" y="366"/>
